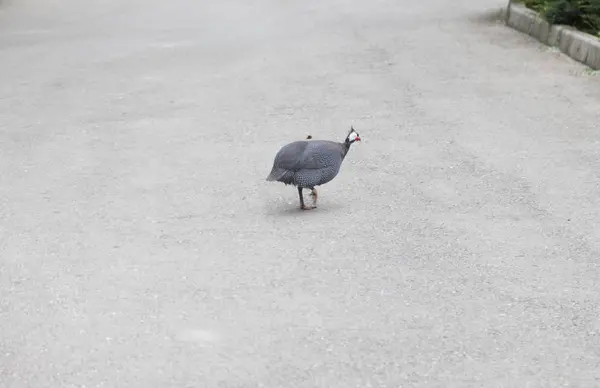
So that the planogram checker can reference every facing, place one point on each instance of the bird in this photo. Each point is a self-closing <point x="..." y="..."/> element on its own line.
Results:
<point x="309" y="163"/>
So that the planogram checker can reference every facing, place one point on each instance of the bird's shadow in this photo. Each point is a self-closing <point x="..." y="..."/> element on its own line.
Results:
<point x="284" y="209"/>
<point x="489" y="16"/>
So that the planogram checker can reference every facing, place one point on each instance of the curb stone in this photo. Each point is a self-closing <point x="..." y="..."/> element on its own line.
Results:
<point x="582" y="47"/>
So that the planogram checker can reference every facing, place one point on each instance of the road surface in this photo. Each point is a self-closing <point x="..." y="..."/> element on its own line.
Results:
<point x="142" y="247"/>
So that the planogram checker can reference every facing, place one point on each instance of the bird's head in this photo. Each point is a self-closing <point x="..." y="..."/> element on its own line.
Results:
<point x="352" y="136"/>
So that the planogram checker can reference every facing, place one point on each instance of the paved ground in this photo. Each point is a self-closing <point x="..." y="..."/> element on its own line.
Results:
<point x="141" y="247"/>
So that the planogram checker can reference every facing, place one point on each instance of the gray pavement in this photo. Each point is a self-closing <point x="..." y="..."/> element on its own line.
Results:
<point x="141" y="246"/>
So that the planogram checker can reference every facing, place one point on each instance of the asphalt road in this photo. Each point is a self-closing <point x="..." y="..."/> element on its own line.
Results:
<point x="142" y="247"/>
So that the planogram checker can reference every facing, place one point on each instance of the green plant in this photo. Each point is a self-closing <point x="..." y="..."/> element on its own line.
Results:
<point x="591" y="15"/>
<point x="581" y="14"/>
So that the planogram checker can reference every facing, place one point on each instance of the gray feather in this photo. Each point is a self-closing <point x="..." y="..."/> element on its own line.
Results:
<point x="308" y="163"/>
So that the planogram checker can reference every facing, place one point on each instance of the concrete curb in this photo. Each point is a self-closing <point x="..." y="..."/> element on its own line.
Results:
<point x="582" y="47"/>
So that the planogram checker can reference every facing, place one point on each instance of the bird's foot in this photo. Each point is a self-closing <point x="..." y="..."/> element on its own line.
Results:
<point x="314" y="196"/>
<point x="308" y="207"/>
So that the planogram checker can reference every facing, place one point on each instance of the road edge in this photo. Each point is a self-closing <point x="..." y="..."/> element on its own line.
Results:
<point x="580" y="46"/>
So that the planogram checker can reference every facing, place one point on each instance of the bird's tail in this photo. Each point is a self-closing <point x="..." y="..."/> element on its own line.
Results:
<point x="275" y="174"/>
<point x="281" y="175"/>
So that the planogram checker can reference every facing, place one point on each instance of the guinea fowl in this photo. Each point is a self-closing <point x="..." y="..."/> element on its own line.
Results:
<point x="309" y="163"/>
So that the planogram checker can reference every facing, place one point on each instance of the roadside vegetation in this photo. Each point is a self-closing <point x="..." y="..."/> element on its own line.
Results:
<point x="581" y="14"/>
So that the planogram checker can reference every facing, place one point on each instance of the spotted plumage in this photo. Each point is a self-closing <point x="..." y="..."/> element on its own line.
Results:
<point x="306" y="164"/>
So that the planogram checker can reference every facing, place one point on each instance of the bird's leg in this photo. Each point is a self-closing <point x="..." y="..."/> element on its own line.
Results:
<point x="301" y="197"/>
<point x="302" y="205"/>
<point x="314" y="195"/>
